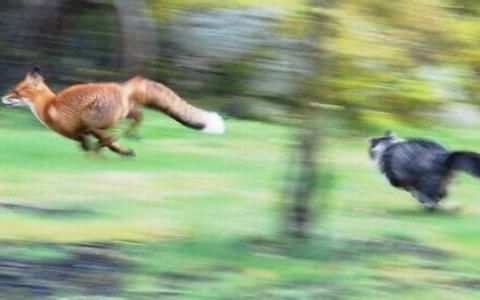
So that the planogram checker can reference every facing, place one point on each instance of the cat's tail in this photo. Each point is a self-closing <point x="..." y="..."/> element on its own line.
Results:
<point x="466" y="161"/>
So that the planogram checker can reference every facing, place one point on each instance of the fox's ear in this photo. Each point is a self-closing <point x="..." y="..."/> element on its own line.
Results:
<point x="35" y="70"/>
<point x="35" y="75"/>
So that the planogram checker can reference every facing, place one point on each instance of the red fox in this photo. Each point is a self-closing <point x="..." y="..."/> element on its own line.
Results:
<point x="90" y="109"/>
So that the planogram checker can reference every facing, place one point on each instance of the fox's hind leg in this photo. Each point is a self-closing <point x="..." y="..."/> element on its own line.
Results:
<point x="137" y="117"/>
<point x="106" y="140"/>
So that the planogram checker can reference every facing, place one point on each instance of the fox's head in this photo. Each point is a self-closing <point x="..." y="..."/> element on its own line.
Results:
<point x="27" y="91"/>
<point x="379" y="144"/>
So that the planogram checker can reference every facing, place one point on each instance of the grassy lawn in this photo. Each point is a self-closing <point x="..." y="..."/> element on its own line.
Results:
<point x="194" y="216"/>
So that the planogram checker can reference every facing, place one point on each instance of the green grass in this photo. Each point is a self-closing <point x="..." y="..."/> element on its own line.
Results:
<point x="195" y="216"/>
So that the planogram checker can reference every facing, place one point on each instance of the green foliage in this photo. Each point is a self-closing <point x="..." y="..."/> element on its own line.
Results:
<point x="378" y="47"/>
<point x="230" y="77"/>
<point x="162" y="9"/>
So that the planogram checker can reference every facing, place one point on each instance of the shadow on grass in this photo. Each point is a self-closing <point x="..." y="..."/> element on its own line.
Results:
<point x="83" y="269"/>
<point x="258" y="268"/>
<point x="420" y="212"/>
<point x="45" y="211"/>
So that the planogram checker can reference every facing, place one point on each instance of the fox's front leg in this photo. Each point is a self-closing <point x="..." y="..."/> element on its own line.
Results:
<point x="85" y="143"/>
<point x="137" y="117"/>
<point x="87" y="146"/>
<point x="106" y="140"/>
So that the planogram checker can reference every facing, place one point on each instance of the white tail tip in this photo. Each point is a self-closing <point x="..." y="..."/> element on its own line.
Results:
<point x="214" y="124"/>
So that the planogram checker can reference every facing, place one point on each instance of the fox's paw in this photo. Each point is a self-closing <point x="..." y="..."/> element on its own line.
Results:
<point x="128" y="152"/>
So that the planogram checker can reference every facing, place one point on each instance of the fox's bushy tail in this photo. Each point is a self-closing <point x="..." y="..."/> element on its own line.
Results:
<point x="464" y="161"/>
<point x="158" y="96"/>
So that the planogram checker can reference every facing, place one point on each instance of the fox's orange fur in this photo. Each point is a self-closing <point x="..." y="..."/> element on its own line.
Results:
<point x="90" y="109"/>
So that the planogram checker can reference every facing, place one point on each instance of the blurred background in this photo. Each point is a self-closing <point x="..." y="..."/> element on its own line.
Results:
<point x="286" y="204"/>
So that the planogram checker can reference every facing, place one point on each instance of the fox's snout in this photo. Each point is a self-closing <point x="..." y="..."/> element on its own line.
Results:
<point x="11" y="100"/>
<point x="6" y="100"/>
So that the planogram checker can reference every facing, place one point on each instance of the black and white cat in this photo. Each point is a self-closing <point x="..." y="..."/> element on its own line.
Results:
<point x="422" y="167"/>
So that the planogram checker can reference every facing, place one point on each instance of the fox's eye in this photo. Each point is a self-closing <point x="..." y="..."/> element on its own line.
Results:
<point x="18" y="92"/>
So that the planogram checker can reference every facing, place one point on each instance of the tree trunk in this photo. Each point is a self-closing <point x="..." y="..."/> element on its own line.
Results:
<point x="305" y="172"/>
<point x="305" y="183"/>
